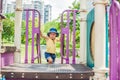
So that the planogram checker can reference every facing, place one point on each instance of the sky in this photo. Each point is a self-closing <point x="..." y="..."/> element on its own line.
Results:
<point x="58" y="6"/>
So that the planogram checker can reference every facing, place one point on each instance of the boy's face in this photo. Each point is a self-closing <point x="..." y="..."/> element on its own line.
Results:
<point x="52" y="35"/>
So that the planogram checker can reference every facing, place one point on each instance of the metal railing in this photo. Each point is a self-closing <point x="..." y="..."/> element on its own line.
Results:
<point x="65" y="30"/>
<point x="35" y="30"/>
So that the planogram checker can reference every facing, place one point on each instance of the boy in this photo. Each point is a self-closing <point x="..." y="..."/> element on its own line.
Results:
<point x="50" y="45"/>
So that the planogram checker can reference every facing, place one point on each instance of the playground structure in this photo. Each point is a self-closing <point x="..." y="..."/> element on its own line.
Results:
<point x="35" y="30"/>
<point x="93" y="47"/>
<point x="115" y="40"/>
<point x="66" y="31"/>
<point x="40" y="71"/>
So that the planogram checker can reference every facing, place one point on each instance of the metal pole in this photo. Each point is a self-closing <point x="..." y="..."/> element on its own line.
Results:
<point x="0" y="45"/>
<point x="33" y="25"/>
<point x="62" y="40"/>
<point x="0" y="36"/>
<point x="38" y="37"/>
<point x="26" y="45"/>
<point x="67" y="40"/>
<point x="119" y="45"/>
<point x="74" y="37"/>
<point x="114" y="41"/>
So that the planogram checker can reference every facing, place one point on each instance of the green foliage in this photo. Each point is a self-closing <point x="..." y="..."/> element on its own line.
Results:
<point x="23" y="32"/>
<point x="49" y="25"/>
<point x="8" y="28"/>
<point x="75" y="6"/>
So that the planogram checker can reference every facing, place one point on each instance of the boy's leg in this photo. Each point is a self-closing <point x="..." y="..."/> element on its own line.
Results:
<point x="53" y="57"/>
<point x="49" y="58"/>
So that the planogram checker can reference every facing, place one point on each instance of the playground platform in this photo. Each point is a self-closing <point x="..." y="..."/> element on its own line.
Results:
<point x="47" y="72"/>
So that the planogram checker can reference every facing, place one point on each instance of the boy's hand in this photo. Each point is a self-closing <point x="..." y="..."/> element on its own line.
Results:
<point x="45" y="37"/>
<point x="40" y="33"/>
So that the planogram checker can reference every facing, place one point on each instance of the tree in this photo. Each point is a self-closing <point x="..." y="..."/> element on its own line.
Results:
<point x="75" y="6"/>
<point x="8" y="27"/>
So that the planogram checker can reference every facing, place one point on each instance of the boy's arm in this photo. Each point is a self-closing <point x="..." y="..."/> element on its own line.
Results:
<point x="58" y="39"/>
<point x="45" y="37"/>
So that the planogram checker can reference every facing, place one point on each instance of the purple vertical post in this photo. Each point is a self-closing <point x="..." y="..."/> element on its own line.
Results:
<point x="62" y="40"/>
<point x="74" y="31"/>
<point x="37" y="47"/>
<point x="119" y="45"/>
<point x="38" y="35"/>
<point x="33" y="25"/>
<point x="26" y="45"/>
<point x="65" y="31"/>
<point x="113" y="43"/>
<point x="67" y="40"/>
<point x="35" y="30"/>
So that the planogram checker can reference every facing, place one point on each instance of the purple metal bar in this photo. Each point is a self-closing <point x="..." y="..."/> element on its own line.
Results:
<point x="113" y="42"/>
<point x="62" y="40"/>
<point x="119" y="45"/>
<point x="65" y="31"/>
<point x="26" y="45"/>
<point x="38" y="48"/>
<point x="67" y="40"/>
<point x="38" y="38"/>
<point x="110" y="23"/>
<point x="33" y="25"/>
<point x="62" y="47"/>
<point x="117" y="8"/>
<point x="35" y="30"/>
<point x="74" y="35"/>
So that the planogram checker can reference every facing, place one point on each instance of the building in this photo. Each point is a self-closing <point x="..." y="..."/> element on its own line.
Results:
<point x="26" y="5"/>
<point x="45" y="10"/>
<point x="4" y="6"/>
<point x="34" y="4"/>
<point x="39" y="5"/>
<point x="11" y="7"/>
<point x="47" y="13"/>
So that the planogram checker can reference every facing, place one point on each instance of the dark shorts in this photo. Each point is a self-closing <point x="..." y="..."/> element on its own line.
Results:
<point x="50" y="55"/>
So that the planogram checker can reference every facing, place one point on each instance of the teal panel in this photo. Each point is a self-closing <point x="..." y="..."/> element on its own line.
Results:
<point x="90" y="21"/>
<point x="107" y="37"/>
